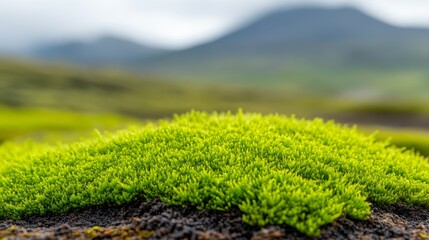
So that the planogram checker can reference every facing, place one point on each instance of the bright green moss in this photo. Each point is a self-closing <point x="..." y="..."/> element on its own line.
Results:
<point x="276" y="169"/>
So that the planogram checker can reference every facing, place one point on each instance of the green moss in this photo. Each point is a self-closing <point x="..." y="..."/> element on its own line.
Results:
<point x="276" y="169"/>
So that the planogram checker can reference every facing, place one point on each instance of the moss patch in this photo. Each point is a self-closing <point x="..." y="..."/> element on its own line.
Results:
<point x="276" y="169"/>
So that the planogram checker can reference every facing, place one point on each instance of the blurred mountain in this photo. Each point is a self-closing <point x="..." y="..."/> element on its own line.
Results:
<point x="107" y="50"/>
<point x="315" y="47"/>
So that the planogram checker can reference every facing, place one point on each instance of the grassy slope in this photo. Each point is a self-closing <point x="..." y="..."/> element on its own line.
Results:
<point x="403" y="83"/>
<point x="409" y="138"/>
<point x="31" y="122"/>
<point x="277" y="170"/>
<point x="26" y="84"/>
<point x="34" y="85"/>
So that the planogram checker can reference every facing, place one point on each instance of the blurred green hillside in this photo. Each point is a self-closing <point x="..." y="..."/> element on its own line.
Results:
<point x="53" y="98"/>
<point x="28" y="84"/>
<point x="50" y="125"/>
<point x="410" y="138"/>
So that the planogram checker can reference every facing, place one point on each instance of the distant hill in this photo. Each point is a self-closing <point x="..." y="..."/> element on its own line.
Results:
<point x="26" y="84"/>
<point x="332" y="49"/>
<point x="31" y="84"/>
<point x="107" y="50"/>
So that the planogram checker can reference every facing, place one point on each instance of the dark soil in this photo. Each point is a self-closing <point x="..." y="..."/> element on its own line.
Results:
<point x="155" y="220"/>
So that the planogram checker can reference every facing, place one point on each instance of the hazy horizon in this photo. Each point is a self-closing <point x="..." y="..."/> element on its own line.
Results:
<point x="171" y="25"/>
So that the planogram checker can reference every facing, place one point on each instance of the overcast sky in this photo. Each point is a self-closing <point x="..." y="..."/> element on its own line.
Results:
<point x="166" y="23"/>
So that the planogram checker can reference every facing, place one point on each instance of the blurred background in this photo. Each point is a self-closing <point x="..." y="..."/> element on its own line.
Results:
<point x="69" y="66"/>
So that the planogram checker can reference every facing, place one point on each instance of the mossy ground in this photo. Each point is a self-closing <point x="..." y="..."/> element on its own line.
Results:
<point x="275" y="169"/>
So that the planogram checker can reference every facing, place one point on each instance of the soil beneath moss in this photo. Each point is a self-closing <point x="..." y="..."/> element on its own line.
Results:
<point x="157" y="220"/>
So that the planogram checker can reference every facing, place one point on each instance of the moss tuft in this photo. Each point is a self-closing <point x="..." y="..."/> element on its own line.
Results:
<point x="276" y="169"/>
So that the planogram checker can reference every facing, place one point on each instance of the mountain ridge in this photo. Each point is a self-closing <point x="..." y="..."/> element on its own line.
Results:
<point x="104" y="50"/>
<point x="332" y="50"/>
<point x="327" y="50"/>
<point x="333" y="24"/>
